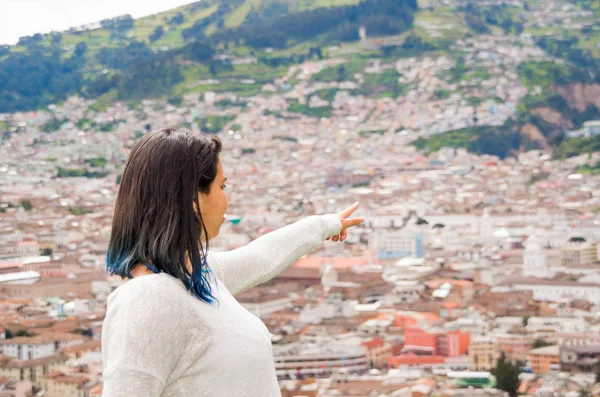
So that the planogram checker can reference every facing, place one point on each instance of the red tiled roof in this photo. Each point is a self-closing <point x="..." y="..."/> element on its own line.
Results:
<point x="373" y="343"/>
<point x="96" y="391"/>
<point x="8" y="265"/>
<point x="337" y="262"/>
<point x="412" y="359"/>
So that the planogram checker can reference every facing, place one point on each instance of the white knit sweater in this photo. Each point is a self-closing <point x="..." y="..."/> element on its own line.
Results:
<point x="160" y="340"/>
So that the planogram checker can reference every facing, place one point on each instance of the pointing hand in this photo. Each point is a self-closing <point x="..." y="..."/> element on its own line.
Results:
<point x="347" y="222"/>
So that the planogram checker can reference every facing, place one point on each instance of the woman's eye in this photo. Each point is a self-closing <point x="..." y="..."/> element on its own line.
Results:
<point x="224" y="186"/>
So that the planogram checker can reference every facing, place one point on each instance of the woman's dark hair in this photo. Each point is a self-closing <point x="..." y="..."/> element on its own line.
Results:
<point x="154" y="220"/>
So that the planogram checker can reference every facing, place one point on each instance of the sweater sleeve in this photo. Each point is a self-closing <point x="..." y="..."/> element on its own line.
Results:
<point x="141" y="342"/>
<point x="266" y="256"/>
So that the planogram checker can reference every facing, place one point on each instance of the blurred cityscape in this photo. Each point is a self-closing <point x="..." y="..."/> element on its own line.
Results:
<point x="474" y="274"/>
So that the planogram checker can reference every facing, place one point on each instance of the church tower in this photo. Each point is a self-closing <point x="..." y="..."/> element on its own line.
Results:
<point x="534" y="259"/>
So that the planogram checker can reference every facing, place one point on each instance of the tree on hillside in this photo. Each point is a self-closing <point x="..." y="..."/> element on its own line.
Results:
<point x="507" y="375"/>
<point x="119" y="24"/>
<point x="178" y="19"/>
<point x="26" y="204"/>
<point x="80" y="49"/>
<point x="196" y="51"/>
<point x="585" y="393"/>
<point x="157" y="34"/>
<point x="539" y="342"/>
<point x="55" y="38"/>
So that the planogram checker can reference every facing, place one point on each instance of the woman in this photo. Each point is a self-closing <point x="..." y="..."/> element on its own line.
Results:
<point x="175" y="329"/>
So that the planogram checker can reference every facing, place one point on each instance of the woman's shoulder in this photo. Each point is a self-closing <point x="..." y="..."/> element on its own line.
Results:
<point x="161" y="287"/>
<point x="157" y="307"/>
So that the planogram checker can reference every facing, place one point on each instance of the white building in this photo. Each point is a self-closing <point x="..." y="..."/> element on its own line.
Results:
<point x="265" y="305"/>
<point x="534" y="260"/>
<point x="25" y="348"/>
<point x="553" y="291"/>
<point x="556" y="324"/>
<point x="397" y="243"/>
<point x="296" y="359"/>
<point x="408" y="290"/>
<point x="26" y="277"/>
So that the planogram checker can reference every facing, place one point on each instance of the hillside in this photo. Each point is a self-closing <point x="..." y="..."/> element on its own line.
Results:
<point x="509" y="76"/>
<point x="156" y="56"/>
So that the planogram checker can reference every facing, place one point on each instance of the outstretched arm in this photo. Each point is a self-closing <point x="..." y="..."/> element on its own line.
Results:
<point x="268" y="255"/>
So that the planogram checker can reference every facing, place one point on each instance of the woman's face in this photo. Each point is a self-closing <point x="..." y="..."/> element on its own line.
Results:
<point x="214" y="205"/>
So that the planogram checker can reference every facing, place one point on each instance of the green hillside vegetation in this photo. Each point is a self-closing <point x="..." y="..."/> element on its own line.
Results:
<point x="498" y="141"/>
<point x="320" y="111"/>
<point x="169" y="54"/>
<point x="96" y="161"/>
<point x="549" y="75"/>
<point x="592" y="5"/>
<point x="568" y="47"/>
<point x="327" y="94"/>
<point x="343" y="72"/>
<point x="552" y="132"/>
<point x="74" y="172"/>
<point x="453" y="21"/>
<point x="382" y="85"/>
<point x="575" y="146"/>
<point x="413" y="45"/>
<point x="589" y="169"/>
<point x="482" y="19"/>
<point x="214" y="123"/>
<point x="503" y="140"/>
<point x="545" y="74"/>
<point x="130" y="60"/>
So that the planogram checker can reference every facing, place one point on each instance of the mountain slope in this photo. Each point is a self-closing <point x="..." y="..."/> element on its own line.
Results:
<point x="143" y="58"/>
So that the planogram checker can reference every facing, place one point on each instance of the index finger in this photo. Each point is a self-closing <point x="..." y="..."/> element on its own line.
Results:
<point x="346" y="213"/>
<point x="346" y="223"/>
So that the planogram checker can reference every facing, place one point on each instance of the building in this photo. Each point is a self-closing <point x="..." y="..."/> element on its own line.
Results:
<point x="556" y="324"/>
<point x="19" y="249"/>
<point x="295" y="360"/>
<point x="58" y="384"/>
<point x="397" y="243"/>
<point x="62" y="287"/>
<point x="544" y="360"/>
<point x="453" y="343"/>
<point x="580" y="253"/>
<point x="508" y="303"/>
<point x="552" y="290"/>
<point x="483" y="353"/>
<point x="81" y="349"/>
<point x="30" y="370"/>
<point x="575" y="359"/>
<point x="515" y="346"/>
<point x="20" y="278"/>
<point x="472" y="379"/>
<point x="262" y="305"/>
<point x="31" y="348"/>
<point x="592" y="126"/>
<point x="534" y="260"/>
<point x="13" y="388"/>
<point x="442" y="343"/>
<point x="378" y="351"/>
<point x="23" y="348"/>
<point x="413" y="360"/>
<point x="419" y="342"/>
